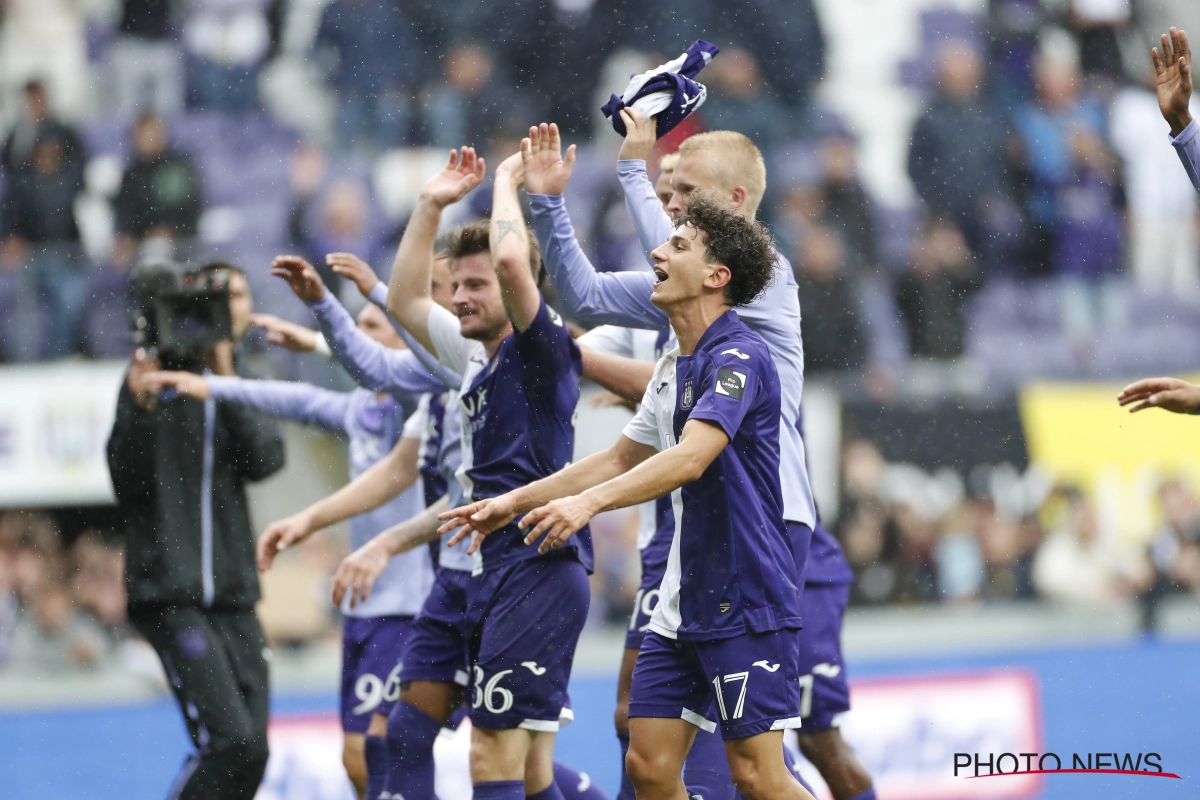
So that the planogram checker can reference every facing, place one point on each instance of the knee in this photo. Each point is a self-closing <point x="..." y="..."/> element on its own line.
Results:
<point x="749" y="778"/>
<point x="648" y="768"/>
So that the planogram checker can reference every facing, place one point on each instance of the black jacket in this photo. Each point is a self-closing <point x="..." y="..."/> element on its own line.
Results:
<point x="176" y="551"/>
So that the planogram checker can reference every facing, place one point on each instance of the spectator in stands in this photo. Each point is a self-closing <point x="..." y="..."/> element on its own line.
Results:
<point x="1012" y="34"/>
<point x="1045" y="129"/>
<point x="916" y="570"/>
<point x="160" y="198"/>
<point x="39" y="232"/>
<point x="227" y="41"/>
<point x="1098" y="27"/>
<point x="956" y="158"/>
<point x="1163" y="251"/>
<point x="834" y="340"/>
<point x="1076" y="564"/>
<point x="869" y="540"/>
<point x="931" y="294"/>
<point x="472" y="101"/>
<point x="338" y="220"/>
<point x="377" y="60"/>
<point x="844" y="203"/>
<point x="1008" y="550"/>
<point x="36" y="122"/>
<point x="46" y="40"/>
<point x="1089" y="240"/>
<point x="1174" y="549"/>
<point x="147" y="63"/>
<point x="55" y="635"/>
<point x="740" y="100"/>
<point x="959" y="558"/>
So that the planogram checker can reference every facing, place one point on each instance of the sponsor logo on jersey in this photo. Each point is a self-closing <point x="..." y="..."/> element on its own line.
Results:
<point x="731" y="383"/>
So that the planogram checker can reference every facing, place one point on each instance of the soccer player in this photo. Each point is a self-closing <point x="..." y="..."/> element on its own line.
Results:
<point x="517" y="400"/>
<point x="722" y="650"/>
<point x="729" y="167"/>
<point x="1173" y="69"/>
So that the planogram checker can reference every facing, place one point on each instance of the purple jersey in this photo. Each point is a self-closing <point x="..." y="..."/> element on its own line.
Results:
<point x="1187" y="145"/>
<point x="518" y="418"/>
<point x="730" y="570"/>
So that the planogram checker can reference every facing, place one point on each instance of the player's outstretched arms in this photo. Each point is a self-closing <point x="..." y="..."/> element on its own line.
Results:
<point x="188" y="384"/>
<point x="355" y="270"/>
<point x="546" y="170"/>
<point x="1169" y="394"/>
<point x="301" y="277"/>
<point x="509" y="241"/>
<point x="627" y="378"/>
<point x="383" y="481"/>
<point x="288" y="335"/>
<point x="485" y="516"/>
<point x="1173" y="70"/>
<point x="409" y="298"/>
<point x="358" y="572"/>
<point x="641" y="134"/>
<point x="658" y="475"/>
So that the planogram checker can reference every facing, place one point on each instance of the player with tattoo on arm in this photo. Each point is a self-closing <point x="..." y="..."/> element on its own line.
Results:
<point x="722" y="650"/>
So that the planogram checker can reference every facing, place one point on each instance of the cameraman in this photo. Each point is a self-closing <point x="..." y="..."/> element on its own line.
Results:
<point x="179" y="469"/>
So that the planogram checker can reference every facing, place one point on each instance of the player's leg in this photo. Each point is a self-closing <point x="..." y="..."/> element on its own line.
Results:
<point x="657" y="750"/>
<point x="354" y="761"/>
<point x="375" y="756"/>
<point x="621" y="714"/>
<point x="528" y="617"/>
<point x="371" y="650"/>
<point x="759" y="771"/>
<point x="825" y="693"/>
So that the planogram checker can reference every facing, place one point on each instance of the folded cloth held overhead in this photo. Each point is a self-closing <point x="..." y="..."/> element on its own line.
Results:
<point x="668" y="91"/>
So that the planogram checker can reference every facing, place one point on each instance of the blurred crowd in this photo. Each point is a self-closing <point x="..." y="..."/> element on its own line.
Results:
<point x="1000" y="535"/>
<point x="1049" y="231"/>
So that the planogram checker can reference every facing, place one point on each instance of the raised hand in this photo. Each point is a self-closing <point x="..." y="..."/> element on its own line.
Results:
<point x="558" y="520"/>
<point x="301" y="276"/>
<point x="289" y="335"/>
<point x="357" y="574"/>
<point x="1173" y="67"/>
<point x="513" y="168"/>
<point x="546" y="171"/>
<point x="281" y="535"/>
<point x="640" y="135"/>
<point x="461" y="174"/>
<point x="355" y="269"/>
<point x="188" y="384"/>
<point x="479" y="518"/>
<point x="1169" y="394"/>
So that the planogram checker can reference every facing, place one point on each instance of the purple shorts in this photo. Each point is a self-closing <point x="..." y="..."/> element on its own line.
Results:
<point x="438" y="645"/>
<point x="824" y="691"/>
<point x="749" y="683"/>
<point x="526" y="618"/>
<point x="372" y="648"/>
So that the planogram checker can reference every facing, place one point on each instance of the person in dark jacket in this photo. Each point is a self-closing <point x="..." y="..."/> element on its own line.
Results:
<point x="833" y="335"/>
<point x="179" y="470"/>
<point x="932" y="293"/>
<point x="160" y="193"/>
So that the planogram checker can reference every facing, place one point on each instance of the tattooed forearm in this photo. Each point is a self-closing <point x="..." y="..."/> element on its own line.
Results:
<point x="506" y="226"/>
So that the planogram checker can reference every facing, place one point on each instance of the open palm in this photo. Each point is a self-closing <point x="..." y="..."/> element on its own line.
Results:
<point x="462" y="173"/>
<point x="546" y="171"/>
<point x="1173" y="68"/>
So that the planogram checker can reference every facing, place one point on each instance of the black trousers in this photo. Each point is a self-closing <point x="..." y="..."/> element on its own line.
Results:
<point x="216" y="665"/>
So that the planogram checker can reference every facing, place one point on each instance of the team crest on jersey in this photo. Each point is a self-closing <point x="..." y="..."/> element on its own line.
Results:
<point x="688" y="397"/>
<point x="731" y="383"/>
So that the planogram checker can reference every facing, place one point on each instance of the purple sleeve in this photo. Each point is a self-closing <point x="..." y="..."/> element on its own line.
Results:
<point x="370" y="364"/>
<point x="301" y="402"/>
<point x="428" y="360"/>
<point x="1187" y="145"/>
<point x="595" y="298"/>
<point x="729" y="391"/>
<point x="653" y="225"/>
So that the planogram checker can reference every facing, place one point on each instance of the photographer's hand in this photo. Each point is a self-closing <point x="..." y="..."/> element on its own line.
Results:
<point x="288" y="335"/>
<point x="301" y="276"/>
<point x="355" y="269"/>
<point x="144" y="394"/>
<point x="281" y="535"/>
<point x="188" y="384"/>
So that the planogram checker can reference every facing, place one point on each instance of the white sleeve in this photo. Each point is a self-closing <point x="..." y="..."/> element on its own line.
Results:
<point x="611" y="340"/>
<point x="418" y="421"/>
<point x="643" y="428"/>
<point x="452" y="349"/>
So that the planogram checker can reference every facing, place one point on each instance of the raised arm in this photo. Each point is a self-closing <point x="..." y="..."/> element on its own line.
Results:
<point x="358" y="571"/>
<point x="617" y="298"/>
<point x="383" y="481"/>
<point x="652" y="223"/>
<point x="485" y="516"/>
<point x="409" y="298"/>
<point x="659" y="475"/>
<point x="300" y="402"/>
<point x="509" y="241"/>
<point x="1173" y="70"/>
